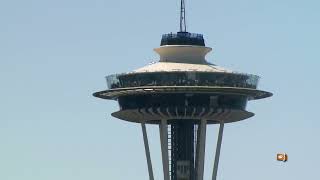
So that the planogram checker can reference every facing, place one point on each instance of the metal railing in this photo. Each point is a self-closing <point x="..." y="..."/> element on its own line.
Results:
<point x="182" y="38"/>
<point x="183" y="79"/>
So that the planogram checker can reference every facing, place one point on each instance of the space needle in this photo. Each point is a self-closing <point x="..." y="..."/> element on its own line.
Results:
<point x="182" y="93"/>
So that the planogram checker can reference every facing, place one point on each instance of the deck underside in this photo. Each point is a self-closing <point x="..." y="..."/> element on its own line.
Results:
<point x="154" y="115"/>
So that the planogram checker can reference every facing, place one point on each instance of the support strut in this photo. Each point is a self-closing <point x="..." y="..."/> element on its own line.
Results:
<point x="164" y="148"/>
<point x="146" y="147"/>
<point x="201" y="149"/>
<point x="216" y="160"/>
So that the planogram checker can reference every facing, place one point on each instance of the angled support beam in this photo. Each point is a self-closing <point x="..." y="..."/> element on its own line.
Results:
<point x="216" y="160"/>
<point x="146" y="147"/>
<point x="201" y="149"/>
<point x="164" y="148"/>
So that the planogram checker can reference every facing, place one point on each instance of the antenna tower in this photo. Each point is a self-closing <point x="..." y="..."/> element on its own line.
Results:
<point x="183" y="26"/>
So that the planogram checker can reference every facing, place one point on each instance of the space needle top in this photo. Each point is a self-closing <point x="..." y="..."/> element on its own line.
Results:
<point x="182" y="93"/>
<point x="182" y="65"/>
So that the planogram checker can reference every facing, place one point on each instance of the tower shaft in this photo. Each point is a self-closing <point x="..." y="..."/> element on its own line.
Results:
<point x="183" y="147"/>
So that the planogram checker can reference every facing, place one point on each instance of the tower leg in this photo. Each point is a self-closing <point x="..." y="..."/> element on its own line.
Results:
<point x="216" y="160"/>
<point x="201" y="149"/>
<point x="146" y="147"/>
<point x="164" y="148"/>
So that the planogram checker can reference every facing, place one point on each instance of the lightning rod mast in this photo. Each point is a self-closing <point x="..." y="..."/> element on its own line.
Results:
<point x="183" y="26"/>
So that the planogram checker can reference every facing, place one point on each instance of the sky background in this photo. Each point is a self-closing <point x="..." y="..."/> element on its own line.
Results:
<point x="55" y="54"/>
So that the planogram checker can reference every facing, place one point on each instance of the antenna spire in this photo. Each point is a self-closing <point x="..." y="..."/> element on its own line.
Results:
<point x="183" y="26"/>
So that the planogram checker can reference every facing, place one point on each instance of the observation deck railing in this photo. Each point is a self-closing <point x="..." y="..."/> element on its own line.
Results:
<point x="182" y="79"/>
<point x="182" y="38"/>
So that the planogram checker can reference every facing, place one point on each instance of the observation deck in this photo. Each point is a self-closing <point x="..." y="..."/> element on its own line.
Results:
<point x="182" y="85"/>
<point x="182" y="38"/>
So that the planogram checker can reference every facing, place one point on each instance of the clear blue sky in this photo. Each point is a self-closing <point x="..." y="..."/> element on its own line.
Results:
<point x="55" y="54"/>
